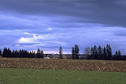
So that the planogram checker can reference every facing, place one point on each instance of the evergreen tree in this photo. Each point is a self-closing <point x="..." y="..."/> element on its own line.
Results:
<point x="9" y="52"/>
<point x="76" y="52"/>
<point x="109" y="51"/>
<point x="60" y="53"/>
<point x="117" y="55"/>
<point x="95" y="53"/>
<point x="100" y="52"/>
<point x="5" y="52"/>
<point x="22" y="53"/>
<point x="104" y="53"/>
<point x="0" y="52"/>
<point x="73" y="53"/>
<point x="92" y="53"/>
<point x="87" y="52"/>
<point x="40" y="54"/>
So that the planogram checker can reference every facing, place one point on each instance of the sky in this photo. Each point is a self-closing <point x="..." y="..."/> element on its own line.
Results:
<point x="49" y="24"/>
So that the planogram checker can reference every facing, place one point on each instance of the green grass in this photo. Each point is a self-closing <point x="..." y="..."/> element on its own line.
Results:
<point x="32" y="76"/>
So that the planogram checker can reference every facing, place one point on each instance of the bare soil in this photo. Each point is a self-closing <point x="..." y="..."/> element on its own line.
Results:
<point x="64" y="64"/>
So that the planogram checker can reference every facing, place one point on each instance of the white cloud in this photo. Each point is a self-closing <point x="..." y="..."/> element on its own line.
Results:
<point x="36" y="38"/>
<point x="27" y="33"/>
<point x="33" y="39"/>
<point x="27" y="40"/>
<point x="50" y="29"/>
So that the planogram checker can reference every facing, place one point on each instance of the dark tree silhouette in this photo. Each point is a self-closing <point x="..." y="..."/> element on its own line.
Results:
<point x="0" y="52"/>
<point x="5" y="52"/>
<point x="87" y="52"/>
<point x="92" y="53"/>
<point x="22" y="53"/>
<point x="117" y="55"/>
<point x="100" y="53"/>
<point x="104" y="53"/>
<point x="60" y="53"/>
<point x="95" y="53"/>
<point x="109" y="51"/>
<point x="73" y="53"/>
<point x="76" y="51"/>
<point x="40" y="54"/>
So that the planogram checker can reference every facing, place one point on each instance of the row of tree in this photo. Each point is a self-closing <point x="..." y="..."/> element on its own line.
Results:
<point x="104" y="53"/>
<point x="21" y="53"/>
<point x="100" y="53"/>
<point x="75" y="52"/>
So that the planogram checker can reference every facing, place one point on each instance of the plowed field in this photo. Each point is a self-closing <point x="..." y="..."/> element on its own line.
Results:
<point x="82" y="65"/>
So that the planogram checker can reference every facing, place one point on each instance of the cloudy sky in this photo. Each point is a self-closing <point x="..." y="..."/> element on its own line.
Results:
<point x="48" y="24"/>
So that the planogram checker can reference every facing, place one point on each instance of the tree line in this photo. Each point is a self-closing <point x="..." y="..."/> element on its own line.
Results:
<point x="21" y="53"/>
<point x="95" y="52"/>
<point x="103" y="53"/>
<point x="98" y="53"/>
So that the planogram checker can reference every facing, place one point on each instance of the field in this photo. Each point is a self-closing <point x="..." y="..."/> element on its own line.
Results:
<point x="81" y="65"/>
<point x="56" y="71"/>
<point x="34" y="76"/>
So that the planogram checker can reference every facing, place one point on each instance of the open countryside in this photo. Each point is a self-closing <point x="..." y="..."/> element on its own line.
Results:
<point x="62" y="41"/>
<point x="60" y="71"/>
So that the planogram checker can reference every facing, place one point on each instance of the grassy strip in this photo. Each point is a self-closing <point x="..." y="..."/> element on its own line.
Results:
<point x="35" y="76"/>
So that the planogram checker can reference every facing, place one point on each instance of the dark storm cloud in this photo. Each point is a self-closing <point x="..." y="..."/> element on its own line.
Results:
<point x="108" y="12"/>
<point x="31" y="24"/>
